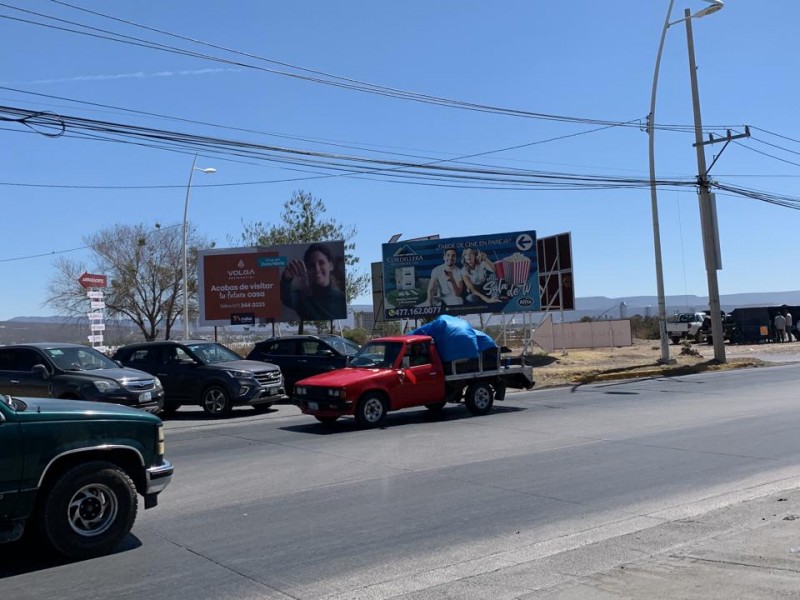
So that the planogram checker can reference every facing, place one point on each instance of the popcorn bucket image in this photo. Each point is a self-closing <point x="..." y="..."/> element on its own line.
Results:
<point x="516" y="269"/>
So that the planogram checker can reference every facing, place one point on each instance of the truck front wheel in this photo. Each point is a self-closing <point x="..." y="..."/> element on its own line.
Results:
<point x="371" y="411"/>
<point x="479" y="399"/>
<point x="89" y="510"/>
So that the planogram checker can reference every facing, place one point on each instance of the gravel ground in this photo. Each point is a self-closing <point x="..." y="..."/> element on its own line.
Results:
<point x="582" y="365"/>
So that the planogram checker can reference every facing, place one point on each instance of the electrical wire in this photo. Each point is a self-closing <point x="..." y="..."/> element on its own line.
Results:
<point x="319" y="76"/>
<point x="332" y="163"/>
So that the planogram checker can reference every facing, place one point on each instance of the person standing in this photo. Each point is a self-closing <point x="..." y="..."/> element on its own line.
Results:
<point x="780" y="327"/>
<point x="789" y="326"/>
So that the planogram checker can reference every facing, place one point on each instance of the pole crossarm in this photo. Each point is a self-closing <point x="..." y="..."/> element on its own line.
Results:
<point x="727" y="139"/>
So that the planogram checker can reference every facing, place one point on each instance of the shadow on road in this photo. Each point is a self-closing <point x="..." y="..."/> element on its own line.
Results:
<point x="29" y="556"/>
<point x="397" y="419"/>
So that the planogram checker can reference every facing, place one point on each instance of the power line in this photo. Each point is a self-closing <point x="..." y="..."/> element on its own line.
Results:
<point x="319" y="77"/>
<point x="333" y="163"/>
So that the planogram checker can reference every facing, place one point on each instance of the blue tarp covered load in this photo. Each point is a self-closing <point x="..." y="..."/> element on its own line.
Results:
<point x="455" y="338"/>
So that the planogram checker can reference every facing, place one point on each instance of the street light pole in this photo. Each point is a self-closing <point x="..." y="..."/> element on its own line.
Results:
<point x="662" y="304"/>
<point x="708" y="221"/>
<point x="185" y="261"/>
<point x="715" y="5"/>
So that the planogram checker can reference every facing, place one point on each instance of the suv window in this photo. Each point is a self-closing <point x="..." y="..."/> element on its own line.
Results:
<point x="141" y="356"/>
<point x="283" y="347"/>
<point x="343" y="346"/>
<point x="311" y="347"/>
<point x="170" y="354"/>
<point x="19" y="359"/>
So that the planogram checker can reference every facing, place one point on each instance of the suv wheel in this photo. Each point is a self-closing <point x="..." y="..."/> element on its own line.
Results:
<point x="216" y="402"/>
<point x="89" y="510"/>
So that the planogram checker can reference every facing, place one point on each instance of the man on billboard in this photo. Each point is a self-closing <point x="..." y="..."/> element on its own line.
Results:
<point x="446" y="286"/>
<point x="311" y="286"/>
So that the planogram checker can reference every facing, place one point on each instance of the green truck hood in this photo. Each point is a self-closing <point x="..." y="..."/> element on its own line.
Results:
<point x="54" y="409"/>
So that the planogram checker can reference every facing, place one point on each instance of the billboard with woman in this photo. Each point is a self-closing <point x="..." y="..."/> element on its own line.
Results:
<point x="291" y="282"/>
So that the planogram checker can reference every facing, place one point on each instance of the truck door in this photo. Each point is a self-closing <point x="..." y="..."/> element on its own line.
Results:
<point x="10" y="460"/>
<point x="423" y="382"/>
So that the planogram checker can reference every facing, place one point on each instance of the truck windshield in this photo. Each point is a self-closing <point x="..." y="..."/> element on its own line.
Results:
<point x="380" y="355"/>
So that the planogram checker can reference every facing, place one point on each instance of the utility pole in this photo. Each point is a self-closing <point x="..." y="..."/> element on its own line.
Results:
<point x="708" y="209"/>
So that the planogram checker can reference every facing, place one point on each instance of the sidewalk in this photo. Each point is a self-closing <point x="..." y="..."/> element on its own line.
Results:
<point x="743" y="551"/>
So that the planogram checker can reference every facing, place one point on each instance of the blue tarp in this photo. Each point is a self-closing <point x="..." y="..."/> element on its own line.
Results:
<point x="455" y="338"/>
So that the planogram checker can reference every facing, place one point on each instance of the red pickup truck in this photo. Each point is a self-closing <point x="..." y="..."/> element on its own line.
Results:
<point x="398" y="372"/>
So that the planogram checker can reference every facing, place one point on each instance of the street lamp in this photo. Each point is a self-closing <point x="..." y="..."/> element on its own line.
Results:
<point x="715" y="5"/>
<point x="185" y="261"/>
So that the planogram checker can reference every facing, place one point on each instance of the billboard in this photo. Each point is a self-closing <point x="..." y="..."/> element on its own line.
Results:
<point x="292" y="282"/>
<point x="555" y="272"/>
<point x="495" y="273"/>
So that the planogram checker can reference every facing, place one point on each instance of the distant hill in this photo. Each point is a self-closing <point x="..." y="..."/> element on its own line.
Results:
<point x="119" y="332"/>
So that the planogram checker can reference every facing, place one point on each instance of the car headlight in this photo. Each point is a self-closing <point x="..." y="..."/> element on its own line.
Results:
<point x="240" y="374"/>
<point x="106" y="385"/>
<point x="337" y="393"/>
<point x="157" y="383"/>
<point x="300" y="391"/>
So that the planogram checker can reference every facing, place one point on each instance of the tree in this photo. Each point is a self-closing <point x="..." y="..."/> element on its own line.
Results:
<point x="145" y="271"/>
<point x="303" y="222"/>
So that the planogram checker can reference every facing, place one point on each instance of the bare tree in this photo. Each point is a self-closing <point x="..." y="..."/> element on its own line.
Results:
<point x="145" y="270"/>
<point x="303" y="222"/>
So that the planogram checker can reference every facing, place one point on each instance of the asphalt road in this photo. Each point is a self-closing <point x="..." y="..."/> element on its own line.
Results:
<point x="507" y="505"/>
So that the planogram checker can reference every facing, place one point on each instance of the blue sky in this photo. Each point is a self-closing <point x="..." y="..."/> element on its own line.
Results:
<point x="585" y="59"/>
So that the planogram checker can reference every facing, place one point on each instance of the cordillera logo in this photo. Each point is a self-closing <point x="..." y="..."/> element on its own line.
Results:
<point x="241" y="272"/>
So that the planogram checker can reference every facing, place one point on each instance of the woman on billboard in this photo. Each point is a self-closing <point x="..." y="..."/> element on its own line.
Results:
<point x="479" y="277"/>
<point x="309" y="286"/>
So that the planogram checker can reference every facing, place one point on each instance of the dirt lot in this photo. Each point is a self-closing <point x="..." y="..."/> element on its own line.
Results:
<point x="642" y="360"/>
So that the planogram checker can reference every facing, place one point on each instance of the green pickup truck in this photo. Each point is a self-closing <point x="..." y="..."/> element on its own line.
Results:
<point x="70" y="471"/>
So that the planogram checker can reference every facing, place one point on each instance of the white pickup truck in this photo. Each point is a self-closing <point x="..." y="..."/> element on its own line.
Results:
<point x="686" y="325"/>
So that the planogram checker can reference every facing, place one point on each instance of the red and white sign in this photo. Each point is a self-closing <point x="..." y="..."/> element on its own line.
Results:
<point x="90" y="280"/>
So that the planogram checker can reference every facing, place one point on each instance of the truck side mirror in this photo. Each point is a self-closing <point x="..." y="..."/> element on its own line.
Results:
<point x="405" y="363"/>
<point x="41" y="370"/>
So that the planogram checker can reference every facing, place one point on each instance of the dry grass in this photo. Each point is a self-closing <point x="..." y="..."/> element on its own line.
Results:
<point x="583" y="365"/>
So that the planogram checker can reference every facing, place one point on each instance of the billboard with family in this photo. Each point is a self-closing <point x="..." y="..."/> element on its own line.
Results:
<point x="291" y="282"/>
<point x="495" y="273"/>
